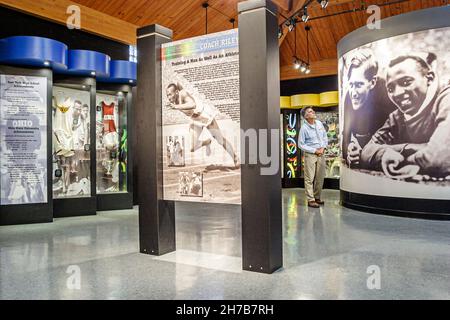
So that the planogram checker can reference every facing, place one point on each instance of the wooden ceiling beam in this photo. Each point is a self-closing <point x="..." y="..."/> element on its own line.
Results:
<point x="296" y="5"/>
<point x="283" y="4"/>
<point x="92" y="21"/>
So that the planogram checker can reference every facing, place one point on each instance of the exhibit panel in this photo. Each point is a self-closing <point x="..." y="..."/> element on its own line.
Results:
<point x="24" y="151"/>
<point x="201" y="119"/>
<point x="290" y="151"/>
<point x="23" y="133"/>
<point x="26" y="77"/>
<point x="395" y="119"/>
<point x="25" y="142"/>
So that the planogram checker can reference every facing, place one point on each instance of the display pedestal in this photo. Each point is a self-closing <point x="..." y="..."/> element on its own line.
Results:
<point x="123" y="199"/>
<point x="262" y="243"/>
<point x="329" y="183"/>
<point x="401" y="207"/>
<point x="11" y="214"/>
<point x="74" y="207"/>
<point x="70" y="206"/>
<point x="156" y="216"/>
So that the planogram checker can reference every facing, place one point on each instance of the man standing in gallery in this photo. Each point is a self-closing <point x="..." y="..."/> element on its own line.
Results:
<point x="313" y="141"/>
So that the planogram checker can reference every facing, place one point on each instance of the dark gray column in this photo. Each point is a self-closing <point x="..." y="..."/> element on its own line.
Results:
<point x="156" y="216"/>
<point x="262" y="243"/>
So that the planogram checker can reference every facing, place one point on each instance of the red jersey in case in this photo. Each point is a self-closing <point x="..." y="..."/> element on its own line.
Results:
<point x="109" y="124"/>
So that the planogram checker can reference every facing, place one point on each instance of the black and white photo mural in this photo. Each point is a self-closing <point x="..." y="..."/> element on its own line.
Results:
<point x="395" y="116"/>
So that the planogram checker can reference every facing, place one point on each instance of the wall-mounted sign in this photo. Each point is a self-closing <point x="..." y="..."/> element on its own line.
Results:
<point x="23" y="136"/>
<point x="200" y="118"/>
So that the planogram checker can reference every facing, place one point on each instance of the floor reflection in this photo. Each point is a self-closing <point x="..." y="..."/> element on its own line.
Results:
<point x="326" y="255"/>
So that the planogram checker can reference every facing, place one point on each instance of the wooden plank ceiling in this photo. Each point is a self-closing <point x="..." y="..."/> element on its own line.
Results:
<point x="187" y="19"/>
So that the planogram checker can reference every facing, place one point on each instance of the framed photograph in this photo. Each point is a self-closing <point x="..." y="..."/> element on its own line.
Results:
<point x="191" y="184"/>
<point x="175" y="151"/>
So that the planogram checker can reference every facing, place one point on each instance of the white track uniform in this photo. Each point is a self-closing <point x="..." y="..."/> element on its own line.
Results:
<point x="203" y="116"/>
<point x="62" y="132"/>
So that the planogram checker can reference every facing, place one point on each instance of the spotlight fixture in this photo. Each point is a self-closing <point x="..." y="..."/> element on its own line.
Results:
<point x="323" y="3"/>
<point x="308" y="65"/>
<point x="280" y="32"/>
<point x="291" y="24"/>
<point x="93" y="73"/>
<point x="308" y="70"/>
<point x="232" y="21"/>
<point x="297" y="63"/>
<point x="46" y="63"/>
<point x="205" y="5"/>
<point x="303" y="68"/>
<point x="305" y="16"/>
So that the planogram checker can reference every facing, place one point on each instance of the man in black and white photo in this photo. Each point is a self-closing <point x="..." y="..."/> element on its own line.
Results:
<point x="416" y="137"/>
<point x="367" y="105"/>
<point x="202" y="116"/>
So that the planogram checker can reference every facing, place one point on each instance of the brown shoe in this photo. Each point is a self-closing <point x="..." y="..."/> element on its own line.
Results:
<point x="313" y="204"/>
<point x="318" y="201"/>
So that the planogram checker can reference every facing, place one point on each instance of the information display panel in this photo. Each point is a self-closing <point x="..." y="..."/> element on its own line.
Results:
<point x="201" y="119"/>
<point x="23" y="136"/>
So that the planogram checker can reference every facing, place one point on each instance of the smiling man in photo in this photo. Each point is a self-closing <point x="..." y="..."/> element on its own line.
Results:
<point x="416" y="136"/>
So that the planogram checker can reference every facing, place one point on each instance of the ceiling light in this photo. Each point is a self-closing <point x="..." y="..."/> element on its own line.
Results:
<point x="46" y="63"/>
<point x="303" y="67"/>
<point x="305" y="16"/>
<point x="297" y="63"/>
<point x="291" y="24"/>
<point x="93" y="73"/>
<point x="280" y="32"/>
<point x="308" y="70"/>
<point x="323" y="3"/>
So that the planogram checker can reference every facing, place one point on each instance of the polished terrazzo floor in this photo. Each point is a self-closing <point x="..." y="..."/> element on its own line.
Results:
<point x="327" y="253"/>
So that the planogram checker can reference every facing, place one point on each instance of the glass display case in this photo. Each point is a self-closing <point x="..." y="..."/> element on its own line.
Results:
<point x="112" y="130"/>
<point x="112" y="142"/>
<point x="71" y="141"/>
<point x="74" y="140"/>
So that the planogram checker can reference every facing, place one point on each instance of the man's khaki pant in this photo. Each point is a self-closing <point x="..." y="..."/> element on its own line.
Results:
<point x="314" y="172"/>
